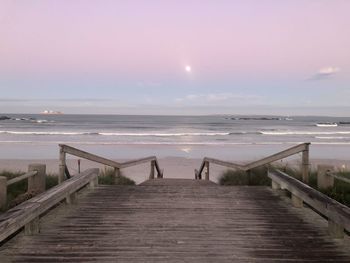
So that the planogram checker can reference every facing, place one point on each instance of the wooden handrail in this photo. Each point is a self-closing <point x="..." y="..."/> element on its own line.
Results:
<point x="338" y="215"/>
<point x="20" y="178"/>
<point x="95" y="158"/>
<point x="27" y="213"/>
<point x="304" y="148"/>
<point x="340" y="178"/>
<point x="89" y="156"/>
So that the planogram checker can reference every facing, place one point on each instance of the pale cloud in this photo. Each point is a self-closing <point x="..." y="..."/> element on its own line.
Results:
<point x="218" y="99"/>
<point x="325" y="73"/>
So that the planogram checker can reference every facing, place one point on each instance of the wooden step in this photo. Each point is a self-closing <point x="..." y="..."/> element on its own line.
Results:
<point x="169" y="220"/>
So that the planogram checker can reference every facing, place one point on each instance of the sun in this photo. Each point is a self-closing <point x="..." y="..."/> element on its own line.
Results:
<point x="188" y="68"/>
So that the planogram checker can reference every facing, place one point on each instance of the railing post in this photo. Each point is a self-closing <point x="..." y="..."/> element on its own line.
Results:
<point x="324" y="180"/>
<point x="206" y="170"/>
<point x="37" y="183"/>
<point x="93" y="183"/>
<point x="296" y="201"/>
<point x="151" y="175"/>
<point x="71" y="198"/>
<point x="275" y="186"/>
<point x="305" y="164"/>
<point x="62" y="166"/>
<point x="335" y="230"/>
<point x="116" y="173"/>
<point x="3" y="192"/>
<point x="32" y="227"/>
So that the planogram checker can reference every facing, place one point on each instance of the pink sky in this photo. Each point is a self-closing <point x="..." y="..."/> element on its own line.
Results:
<point x="152" y="41"/>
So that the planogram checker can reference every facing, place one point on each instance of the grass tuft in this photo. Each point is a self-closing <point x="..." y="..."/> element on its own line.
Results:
<point x="258" y="176"/>
<point x="107" y="177"/>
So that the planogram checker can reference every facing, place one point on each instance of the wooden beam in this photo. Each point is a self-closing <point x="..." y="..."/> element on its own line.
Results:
<point x="272" y="158"/>
<point x="277" y="156"/>
<point x="3" y="192"/>
<point x="37" y="183"/>
<point x="23" y="214"/>
<point x="333" y="210"/>
<point x="224" y="163"/>
<point x="22" y="177"/>
<point x="151" y="175"/>
<point x="137" y="162"/>
<point x="89" y="156"/>
<point x="207" y="171"/>
<point x="62" y="165"/>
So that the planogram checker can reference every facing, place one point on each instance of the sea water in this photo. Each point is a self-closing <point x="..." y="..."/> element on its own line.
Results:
<point x="30" y="136"/>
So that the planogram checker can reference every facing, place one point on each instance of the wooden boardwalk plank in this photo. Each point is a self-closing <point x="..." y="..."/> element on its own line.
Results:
<point x="176" y="221"/>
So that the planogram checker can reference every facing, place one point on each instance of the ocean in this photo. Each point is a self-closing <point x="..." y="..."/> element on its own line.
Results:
<point x="31" y="136"/>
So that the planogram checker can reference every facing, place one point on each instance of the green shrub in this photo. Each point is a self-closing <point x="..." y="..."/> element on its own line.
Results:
<point x="233" y="177"/>
<point x="258" y="176"/>
<point x="107" y="177"/>
<point x="51" y="180"/>
<point x="17" y="188"/>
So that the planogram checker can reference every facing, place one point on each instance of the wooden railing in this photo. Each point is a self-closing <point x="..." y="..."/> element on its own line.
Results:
<point x="326" y="176"/>
<point x="36" y="176"/>
<point x="27" y="213"/>
<point x="338" y="215"/>
<point x="65" y="149"/>
<point x="301" y="148"/>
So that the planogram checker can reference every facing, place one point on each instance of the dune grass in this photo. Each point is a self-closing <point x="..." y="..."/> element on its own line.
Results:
<point x="107" y="177"/>
<point x="258" y="176"/>
<point x="20" y="188"/>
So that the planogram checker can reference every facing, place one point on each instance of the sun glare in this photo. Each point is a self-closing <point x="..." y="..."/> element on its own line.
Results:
<point x="188" y="68"/>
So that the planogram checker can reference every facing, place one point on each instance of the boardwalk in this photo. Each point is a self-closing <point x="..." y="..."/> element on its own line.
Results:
<point x="168" y="220"/>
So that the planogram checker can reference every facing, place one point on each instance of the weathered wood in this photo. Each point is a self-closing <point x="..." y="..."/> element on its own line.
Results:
<point x="32" y="228"/>
<point x="37" y="182"/>
<point x="305" y="166"/>
<point x="275" y="186"/>
<point x="206" y="170"/>
<point x="19" y="216"/>
<point x="277" y="156"/>
<point x="62" y="165"/>
<point x="151" y="175"/>
<point x="340" y="178"/>
<point x="93" y="183"/>
<point x="21" y="177"/>
<point x="137" y="162"/>
<point x="117" y="165"/>
<point x="71" y="198"/>
<point x="304" y="147"/>
<point x="196" y="177"/>
<point x="178" y="221"/>
<point x="296" y="201"/>
<point x="333" y="210"/>
<point x="66" y="172"/>
<point x="223" y="163"/>
<point x="324" y="180"/>
<point x="89" y="156"/>
<point x="335" y="230"/>
<point x="3" y="192"/>
<point x="160" y="172"/>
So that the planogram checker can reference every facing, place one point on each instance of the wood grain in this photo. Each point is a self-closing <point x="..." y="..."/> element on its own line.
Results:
<point x="167" y="220"/>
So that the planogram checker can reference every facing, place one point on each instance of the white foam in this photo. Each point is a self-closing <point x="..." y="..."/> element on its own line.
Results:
<point x="303" y="132"/>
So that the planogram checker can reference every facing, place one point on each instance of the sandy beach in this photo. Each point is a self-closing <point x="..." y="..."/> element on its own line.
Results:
<point x="174" y="167"/>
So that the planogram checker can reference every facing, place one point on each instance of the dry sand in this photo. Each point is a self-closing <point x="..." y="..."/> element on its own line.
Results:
<point x="174" y="167"/>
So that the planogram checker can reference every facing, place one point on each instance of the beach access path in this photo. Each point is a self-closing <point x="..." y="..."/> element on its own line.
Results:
<point x="178" y="220"/>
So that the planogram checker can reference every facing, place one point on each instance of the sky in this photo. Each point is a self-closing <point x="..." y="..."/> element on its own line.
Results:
<point x="287" y="57"/>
